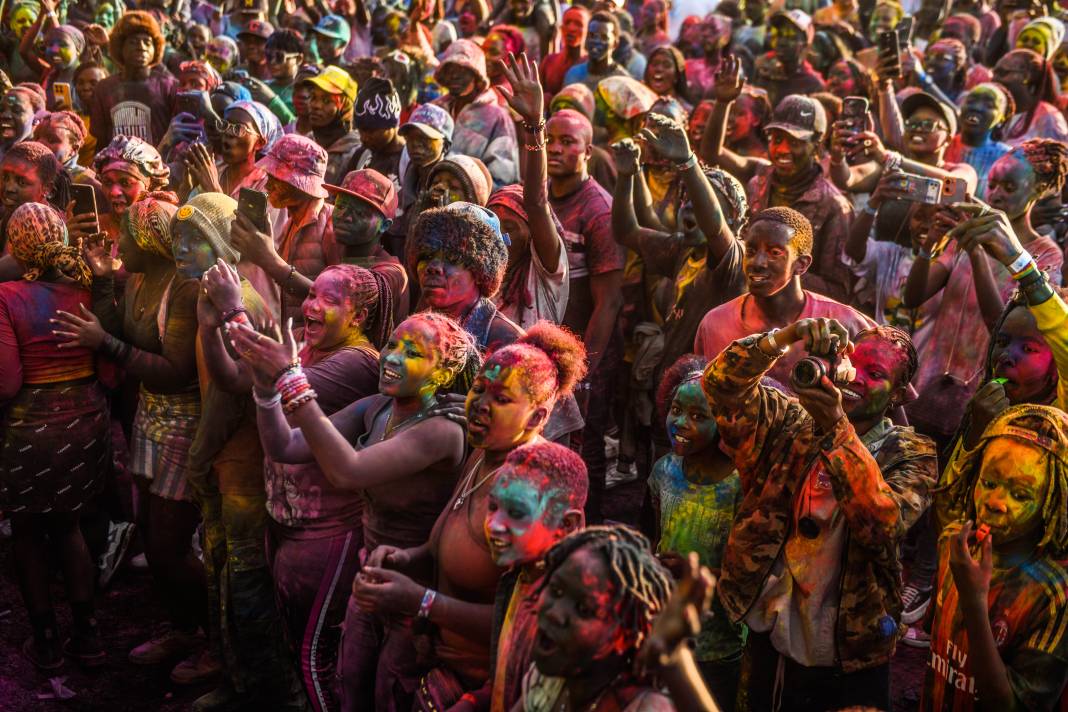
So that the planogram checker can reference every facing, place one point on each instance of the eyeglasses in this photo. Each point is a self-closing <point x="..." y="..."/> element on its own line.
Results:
<point x="228" y="128"/>
<point x="925" y="125"/>
<point x="276" y="57"/>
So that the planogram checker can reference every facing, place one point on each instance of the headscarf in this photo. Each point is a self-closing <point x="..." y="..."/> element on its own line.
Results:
<point x="37" y="237"/>
<point x="136" y="157"/>
<point x="580" y="98"/>
<point x="211" y="214"/>
<point x="63" y="120"/>
<point x="267" y="124"/>
<point x="149" y="224"/>
<point x="1051" y="29"/>
<point x="200" y="68"/>
<point x="74" y="34"/>
<point x="626" y="96"/>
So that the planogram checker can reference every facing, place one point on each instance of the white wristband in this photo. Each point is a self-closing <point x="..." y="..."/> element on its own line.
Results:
<point x="1021" y="262"/>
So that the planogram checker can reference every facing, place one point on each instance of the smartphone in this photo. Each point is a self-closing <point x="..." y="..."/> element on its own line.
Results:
<point x="904" y="31"/>
<point x="253" y="205"/>
<point x="855" y="113"/>
<point x="889" y="48"/>
<point x="63" y="100"/>
<point x="84" y="197"/>
<point x="954" y="190"/>
<point x="919" y="189"/>
<point x="189" y="103"/>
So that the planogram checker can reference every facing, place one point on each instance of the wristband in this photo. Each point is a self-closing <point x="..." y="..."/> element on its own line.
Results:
<point x="535" y="128"/>
<point x="869" y="210"/>
<point x="1020" y="263"/>
<point x="892" y="162"/>
<point x="688" y="163"/>
<point x="233" y="313"/>
<point x="266" y="403"/>
<point x="428" y="601"/>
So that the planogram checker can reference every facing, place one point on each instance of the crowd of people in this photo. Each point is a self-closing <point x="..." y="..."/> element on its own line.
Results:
<point x="341" y="318"/>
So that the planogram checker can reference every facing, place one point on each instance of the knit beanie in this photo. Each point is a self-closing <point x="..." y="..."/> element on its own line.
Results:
<point x="377" y="105"/>
<point x="211" y="214"/>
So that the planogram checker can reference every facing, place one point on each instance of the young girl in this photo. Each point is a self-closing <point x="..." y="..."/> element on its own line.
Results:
<point x="696" y="492"/>
<point x="602" y="589"/>
<point x="997" y="631"/>
<point x="507" y="407"/>
<point x="389" y="447"/>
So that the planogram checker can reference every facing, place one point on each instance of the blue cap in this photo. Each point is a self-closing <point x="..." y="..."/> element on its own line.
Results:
<point x="432" y="120"/>
<point x="335" y="27"/>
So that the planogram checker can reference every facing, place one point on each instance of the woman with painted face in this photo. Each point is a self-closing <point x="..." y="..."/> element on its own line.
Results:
<point x="63" y="47"/>
<point x="507" y="407"/>
<point x="1001" y="582"/>
<point x="150" y="331"/>
<point x="592" y="619"/>
<point x="665" y="74"/>
<point x="483" y="128"/>
<point x="29" y="173"/>
<point x="696" y="481"/>
<point x="404" y="460"/>
<point x="974" y="286"/>
<point x="984" y="110"/>
<point x="848" y="77"/>
<point x="315" y="530"/>
<point x="52" y="400"/>
<point x="20" y="104"/>
<point x="1030" y="79"/>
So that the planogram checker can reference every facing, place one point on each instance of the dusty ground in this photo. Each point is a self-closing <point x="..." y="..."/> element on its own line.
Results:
<point x="128" y="613"/>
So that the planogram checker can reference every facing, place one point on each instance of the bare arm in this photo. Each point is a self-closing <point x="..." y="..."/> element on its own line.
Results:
<point x="222" y="369"/>
<point x="607" y="291"/>
<point x="286" y="444"/>
<point x="986" y="289"/>
<point x="926" y="279"/>
<point x="643" y="204"/>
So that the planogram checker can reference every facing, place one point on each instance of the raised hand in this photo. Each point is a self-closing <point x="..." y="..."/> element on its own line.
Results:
<point x="222" y="285"/>
<point x="96" y="251"/>
<point x="628" y="157"/>
<point x="681" y="617"/>
<point x="202" y="169"/>
<point x="255" y="246"/>
<point x="989" y="230"/>
<point x="525" y="95"/>
<point x="266" y="356"/>
<point x="667" y="138"/>
<point x="730" y="81"/>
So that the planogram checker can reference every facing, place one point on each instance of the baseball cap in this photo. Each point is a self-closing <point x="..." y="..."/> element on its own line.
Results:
<point x="800" y="116"/>
<point x="256" y="28"/>
<point x="431" y="120"/>
<point x="920" y="99"/>
<point x="250" y="6"/>
<point x="335" y="27"/>
<point x="369" y="186"/>
<point x="799" y="19"/>
<point x="335" y="80"/>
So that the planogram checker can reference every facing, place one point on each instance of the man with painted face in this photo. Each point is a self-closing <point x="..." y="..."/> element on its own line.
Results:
<point x="483" y="128"/>
<point x="791" y="176"/>
<point x="555" y="66"/>
<point x="139" y="99"/>
<point x="984" y="108"/>
<point x="376" y="118"/>
<point x="784" y="70"/>
<point x="331" y="98"/>
<point x="602" y="40"/>
<point x="829" y="487"/>
<point x="365" y="205"/>
<point x="330" y="38"/>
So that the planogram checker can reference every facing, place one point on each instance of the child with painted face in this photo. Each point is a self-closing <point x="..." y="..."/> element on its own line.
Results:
<point x="63" y="47"/>
<point x="829" y="487"/>
<point x="535" y="500"/>
<point x="697" y="482"/>
<point x="592" y="619"/>
<point x="996" y="639"/>
<point x="507" y="407"/>
<point x="985" y="108"/>
<point x="19" y="106"/>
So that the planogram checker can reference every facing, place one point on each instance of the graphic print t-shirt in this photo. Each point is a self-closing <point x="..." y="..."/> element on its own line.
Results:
<point x="1028" y="610"/>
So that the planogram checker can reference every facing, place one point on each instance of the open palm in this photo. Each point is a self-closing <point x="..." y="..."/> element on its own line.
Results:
<point x="525" y="96"/>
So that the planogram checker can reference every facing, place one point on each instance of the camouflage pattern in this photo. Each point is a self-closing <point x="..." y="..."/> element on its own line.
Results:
<point x="774" y="443"/>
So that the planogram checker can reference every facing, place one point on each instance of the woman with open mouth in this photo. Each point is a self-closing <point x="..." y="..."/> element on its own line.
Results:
<point x="391" y="447"/>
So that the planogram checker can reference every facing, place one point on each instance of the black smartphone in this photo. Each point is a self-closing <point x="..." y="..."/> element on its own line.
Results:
<point x="253" y="205"/>
<point x="189" y="102"/>
<point x="890" y="49"/>
<point x="855" y="113"/>
<point x="84" y="197"/>
<point x="904" y="30"/>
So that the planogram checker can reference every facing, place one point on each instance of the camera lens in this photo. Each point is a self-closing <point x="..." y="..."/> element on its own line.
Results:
<point x="807" y="373"/>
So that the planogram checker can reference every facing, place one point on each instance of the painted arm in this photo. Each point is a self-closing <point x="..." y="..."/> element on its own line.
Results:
<point x="10" y="360"/>
<point x="286" y="444"/>
<point x="643" y="204"/>
<point x="45" y="21"/>
<point x="713" y="151"/>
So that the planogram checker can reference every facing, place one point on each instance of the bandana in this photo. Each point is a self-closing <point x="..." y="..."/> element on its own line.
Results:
<point x="135" y="157"/>
<point x="149" y="224"/>
<point x="267" y="124"/>
<point x="38" y="239"/>
<point x="202" y="70"/>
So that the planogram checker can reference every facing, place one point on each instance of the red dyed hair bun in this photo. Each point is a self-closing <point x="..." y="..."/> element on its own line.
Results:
<point x="565" y="350"/>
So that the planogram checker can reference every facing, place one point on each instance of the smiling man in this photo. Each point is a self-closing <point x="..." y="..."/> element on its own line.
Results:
<point x="829" y="488"/>
<point x="778" y="252"/>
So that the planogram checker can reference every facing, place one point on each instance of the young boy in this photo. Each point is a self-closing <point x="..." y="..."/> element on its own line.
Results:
<point x="997" y="630"/>
<point x="536" y="500"/>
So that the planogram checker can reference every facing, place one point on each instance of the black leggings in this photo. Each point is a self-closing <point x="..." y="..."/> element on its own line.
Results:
<point x="32" y="536"/>
<point x="177" y="574"/>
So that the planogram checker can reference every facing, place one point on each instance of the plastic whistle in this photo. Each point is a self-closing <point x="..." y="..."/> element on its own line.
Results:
<point x="1002" y="381"/>
<point x="982" y="533"/>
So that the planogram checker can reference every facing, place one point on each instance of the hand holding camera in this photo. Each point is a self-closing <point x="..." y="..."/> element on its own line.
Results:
<point x="816" y="377"/>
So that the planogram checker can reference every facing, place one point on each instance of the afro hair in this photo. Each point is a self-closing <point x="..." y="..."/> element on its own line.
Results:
<point x="129" y="23"/>
<point x="462" y="239"/>
<point x="555" y="469"/>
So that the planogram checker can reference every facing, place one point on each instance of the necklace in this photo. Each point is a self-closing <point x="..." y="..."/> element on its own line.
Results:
<point x="411" y="419"/>
<point x="465" y="490"/>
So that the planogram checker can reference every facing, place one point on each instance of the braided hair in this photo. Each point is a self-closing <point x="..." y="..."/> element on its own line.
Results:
<point x="642" y="584"/>
<point x="898" y="338"/>
<point x="1043" y="80"/>
<point x="370" y="290"/>
<point x="1049" y="159"/>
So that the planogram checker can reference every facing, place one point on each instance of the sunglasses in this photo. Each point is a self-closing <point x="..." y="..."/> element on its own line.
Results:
<point x="276" y="57"/>
<point x="229" y="128"/>
<point x="925" y="125"/>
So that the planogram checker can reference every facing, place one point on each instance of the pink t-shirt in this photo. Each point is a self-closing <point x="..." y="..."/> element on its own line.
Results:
<point x="725" y="324"/>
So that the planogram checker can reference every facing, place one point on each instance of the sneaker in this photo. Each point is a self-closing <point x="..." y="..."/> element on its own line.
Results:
<point x="139" y="562"/>
<point x="169" y="646"/>
<point x="914" y="603"/>
<point x="45" y="653"/>
<point x="197" y="668"/>
<point x="916" y="637"/>
<point x="85" y="646"/>
<point x="119" y="536"/>
<point x="222" y="699"/>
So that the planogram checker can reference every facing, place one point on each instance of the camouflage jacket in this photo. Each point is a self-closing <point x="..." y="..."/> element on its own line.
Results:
<point x="775" y="443"/>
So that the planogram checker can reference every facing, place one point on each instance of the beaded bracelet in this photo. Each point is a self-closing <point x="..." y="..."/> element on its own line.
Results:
<point x="532" y="147"/>
<point x="291" y="406"/>
<point x="292" y="366"/>
<point x="535" y="128"/>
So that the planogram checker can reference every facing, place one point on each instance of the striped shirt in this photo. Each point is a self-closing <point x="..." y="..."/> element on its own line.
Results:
<point x="981" y="158"/>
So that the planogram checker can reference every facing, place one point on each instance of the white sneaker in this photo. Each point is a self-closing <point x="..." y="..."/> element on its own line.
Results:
<point x="916" y="637"/>
<point x="914" y="603"/>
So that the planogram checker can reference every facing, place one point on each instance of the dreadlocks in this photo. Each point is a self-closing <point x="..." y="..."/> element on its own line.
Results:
<point x="641" y="583"/>
<point x="1049" y="159"/>
<point x="369" y="290"/>
<point x="1042" y="427"/>
<point x="898" y="338"/>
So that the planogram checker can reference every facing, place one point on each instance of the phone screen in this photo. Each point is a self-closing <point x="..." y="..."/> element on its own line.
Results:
<point x="253" y="205"/>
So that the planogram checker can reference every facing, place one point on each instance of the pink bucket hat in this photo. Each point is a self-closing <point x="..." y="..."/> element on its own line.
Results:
<point x="467" y="54"/>
<point x="299" y="161"/>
